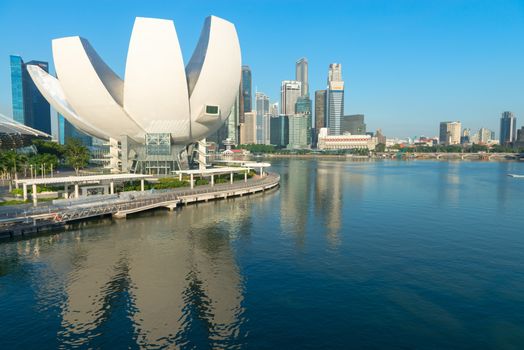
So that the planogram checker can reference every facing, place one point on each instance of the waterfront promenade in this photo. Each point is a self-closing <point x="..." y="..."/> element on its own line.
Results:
<point x="17" y="222"/>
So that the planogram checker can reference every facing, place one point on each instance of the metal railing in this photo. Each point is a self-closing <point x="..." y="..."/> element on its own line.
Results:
<point x="128" y="201"/>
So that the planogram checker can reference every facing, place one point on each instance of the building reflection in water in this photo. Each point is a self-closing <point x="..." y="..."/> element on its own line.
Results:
<point x="328" y="198"/>
<point x="294" y="194"/>
<point x="171" y="279"/>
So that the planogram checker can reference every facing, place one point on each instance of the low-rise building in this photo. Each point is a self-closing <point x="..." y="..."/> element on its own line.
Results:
<point x="346" y="141"/>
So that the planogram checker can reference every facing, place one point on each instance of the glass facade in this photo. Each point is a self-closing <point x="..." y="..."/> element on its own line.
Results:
<point x="29" y="106"/>
<point x="279" y="134"/>
<point x="17" y="89"/>
<point x="246" y="89"/>
<point x="335" y="110"/>
<point x="158" y="144"/>
<point x="353" y="124"/>
<point x="508" y="128"/>
<point x="67" y="131"/>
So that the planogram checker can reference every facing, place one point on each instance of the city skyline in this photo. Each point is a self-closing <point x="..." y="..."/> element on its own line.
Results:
<point x="407" y="66"/>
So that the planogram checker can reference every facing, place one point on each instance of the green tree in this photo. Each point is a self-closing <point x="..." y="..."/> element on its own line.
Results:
<point x="50" y="147"/>
<point x="380" y="147"/>
<point x="76" y="155"/>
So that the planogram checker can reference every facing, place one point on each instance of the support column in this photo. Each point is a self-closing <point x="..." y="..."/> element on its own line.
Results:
<point x="180" y="176"/>
<point x="231" y="177"/>
<point x="191" y="180"/>
<point x="212" y="180"/>
<point x="261" y="172"/>
<point x="245" y="176"/>
<point x="34" y="195"/>
<point x="77" y="192"/>
<point x="25" y="191"/>
<point x="111" y="187"/>
<point x="142" y="185"/>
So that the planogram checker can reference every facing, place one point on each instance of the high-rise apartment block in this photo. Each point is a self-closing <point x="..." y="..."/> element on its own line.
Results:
<point x="290" y="91"/>
<point x="450" y="133"/>
<point x="301" y="74"/>
<point x="508" y="128"/>
<point x="29" y="106"/>
<point x="335" y="99"/>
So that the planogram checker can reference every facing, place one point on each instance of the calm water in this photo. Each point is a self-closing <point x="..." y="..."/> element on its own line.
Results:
<point x="425" y="255"/>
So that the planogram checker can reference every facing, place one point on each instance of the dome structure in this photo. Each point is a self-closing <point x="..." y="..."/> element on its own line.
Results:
<point x="158" y="94"/>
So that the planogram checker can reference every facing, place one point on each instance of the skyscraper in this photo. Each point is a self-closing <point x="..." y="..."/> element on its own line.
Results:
<point x="246" y="89"/>
<point x="29" y="106"/>
<point x="320" y="113"/>
<point x="300" y="124"/>
<point x="335" y="99"/>
<point x="301" y="74"/>
<point x="290" y="91"/>
<point x="450" y="133"/>
<point x="262" y="108"/>
<point x="280" y="130"/>
<point x="508" y="128"/>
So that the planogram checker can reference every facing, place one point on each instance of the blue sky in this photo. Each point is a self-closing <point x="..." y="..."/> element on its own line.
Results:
<point x="408" y="64"/>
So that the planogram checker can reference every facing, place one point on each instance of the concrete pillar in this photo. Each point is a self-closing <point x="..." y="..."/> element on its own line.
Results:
<point x="191" y="180"/>
<point x="245" y="176"/>
<point x="77" y="192"/>
<point x="142" y="185"/>
<point x="66" y="189"/>
<point x="34" y="195"/>
<point x="25" y="191"/>
<point x="231" y="177"/>
<point x="212" y="180"/>
<point x="261" y="172"/>
<point x="180" y="176"/>
<point x="112" y="187"/>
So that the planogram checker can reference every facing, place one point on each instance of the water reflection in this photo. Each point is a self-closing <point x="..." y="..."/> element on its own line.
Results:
<point x="170" y="274"/>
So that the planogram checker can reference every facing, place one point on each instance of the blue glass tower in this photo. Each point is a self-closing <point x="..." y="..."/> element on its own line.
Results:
<point x="68" y="131"/>
<point x="29" y="106"/>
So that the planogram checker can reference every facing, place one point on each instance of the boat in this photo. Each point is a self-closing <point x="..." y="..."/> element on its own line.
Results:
<point x="515" y="175"/>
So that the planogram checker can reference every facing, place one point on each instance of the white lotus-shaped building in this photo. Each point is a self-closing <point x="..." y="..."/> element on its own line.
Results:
<point x="158" y="95"/>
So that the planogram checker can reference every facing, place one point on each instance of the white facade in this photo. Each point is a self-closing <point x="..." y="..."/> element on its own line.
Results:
<point x="334" y="142"/>
<point x="158" y="95"/>
<point x="290" y="91"/>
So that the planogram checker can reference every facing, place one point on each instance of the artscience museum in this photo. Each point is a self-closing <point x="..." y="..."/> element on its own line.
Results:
<point x="153" y="117"/>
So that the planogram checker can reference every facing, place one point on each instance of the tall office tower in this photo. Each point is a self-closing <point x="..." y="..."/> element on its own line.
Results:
<point x="280" y="131"/>
<point x="353" y="124"/>
<point x="508" y="128"/>
<point x="29" y="106"/>
<point x="262" y="108"/>
<point x="519" y="142"/>
<point x="248" y="130"/>
<point x="67" y="131"/>
<point x="301" y="124"/>
<point x="240" y="98"/>
<point x="335" y="99"/>
<point x="320" y="113"/>
<point x="290" y="91"/>
<point x="246" y="89"/>
<point x="450" y="133"/>
<point x="301" y="74"/>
